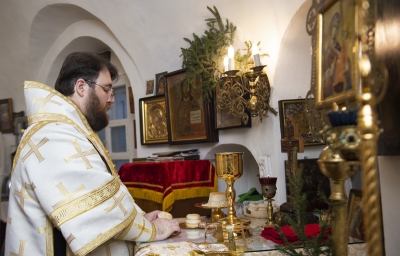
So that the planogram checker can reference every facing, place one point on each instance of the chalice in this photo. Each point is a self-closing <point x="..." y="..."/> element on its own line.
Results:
<point x="229" y="167"/>
<point x="268" y="186"/>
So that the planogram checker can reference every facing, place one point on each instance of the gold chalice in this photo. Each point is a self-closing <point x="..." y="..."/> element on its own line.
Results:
<point x="229" y="167"/>
<point x="268" y="186"/>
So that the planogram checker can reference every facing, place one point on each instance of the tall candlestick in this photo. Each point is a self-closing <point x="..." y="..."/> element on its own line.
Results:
<point x="231" y="54"/>
<point x="256" y="55"/>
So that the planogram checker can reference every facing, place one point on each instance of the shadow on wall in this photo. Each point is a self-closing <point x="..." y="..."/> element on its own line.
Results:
<point x="250" y="168"/>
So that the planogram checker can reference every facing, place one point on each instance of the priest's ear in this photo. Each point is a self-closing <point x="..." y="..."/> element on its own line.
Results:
<point x="80" y="87"/>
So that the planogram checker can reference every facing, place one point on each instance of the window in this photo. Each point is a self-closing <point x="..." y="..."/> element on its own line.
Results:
<point x="117" y="136"/>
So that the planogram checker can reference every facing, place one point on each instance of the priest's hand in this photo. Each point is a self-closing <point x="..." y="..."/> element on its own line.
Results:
<point x="165" y="227"/>
<point x="152" y="215"/>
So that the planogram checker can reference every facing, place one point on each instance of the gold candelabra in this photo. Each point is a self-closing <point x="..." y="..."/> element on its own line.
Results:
<point x="249" y="92"/>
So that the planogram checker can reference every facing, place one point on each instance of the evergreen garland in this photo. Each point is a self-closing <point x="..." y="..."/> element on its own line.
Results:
<point x="205" y="53"/>
<point x="311" y="246"/>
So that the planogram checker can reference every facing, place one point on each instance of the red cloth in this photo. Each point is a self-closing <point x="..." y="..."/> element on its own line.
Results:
<point x="175" y="180"/>
<point x="272" y="234"/>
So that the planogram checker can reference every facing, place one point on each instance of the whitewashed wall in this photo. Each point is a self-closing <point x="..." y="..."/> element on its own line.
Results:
<point x="146" y="37"/>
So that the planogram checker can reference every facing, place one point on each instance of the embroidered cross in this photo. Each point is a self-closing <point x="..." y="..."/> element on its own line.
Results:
<point x="21" y="249"/>
<point x="23" y="194"/>
<point x="117" y="202"/>
<point x="35" y="149"/>
<point x="108" y="247"/>
<point x="68" y="196"/>
<point x="70" y="238"/>
<point x="45" y="101"/>
<point x="81" y="154"/>
<point x="142" y="227"/>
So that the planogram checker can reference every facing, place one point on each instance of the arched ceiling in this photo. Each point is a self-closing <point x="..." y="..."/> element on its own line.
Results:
<point x="49" y="24"/>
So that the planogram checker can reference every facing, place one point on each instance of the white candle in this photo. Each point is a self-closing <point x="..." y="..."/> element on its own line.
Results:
<point x="256" y="55"/>
<point x="231" y="54"/>
<point x="226" y="63"/>
<point x="269" y="166"/>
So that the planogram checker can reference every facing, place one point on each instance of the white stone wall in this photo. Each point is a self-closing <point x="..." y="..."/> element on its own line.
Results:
<point x="146" y="37"/>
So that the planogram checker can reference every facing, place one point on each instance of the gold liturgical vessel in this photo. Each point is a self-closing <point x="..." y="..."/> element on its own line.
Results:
<point x="229" y="167"/>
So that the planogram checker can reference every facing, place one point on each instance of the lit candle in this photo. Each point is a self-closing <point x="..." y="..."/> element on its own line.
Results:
<point x="256" y="55"/>
<point x="226" y="63"/>
<point x="231" y="54"/>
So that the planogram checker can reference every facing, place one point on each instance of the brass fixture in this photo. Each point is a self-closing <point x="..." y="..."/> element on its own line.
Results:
<point x="250" y="91"/>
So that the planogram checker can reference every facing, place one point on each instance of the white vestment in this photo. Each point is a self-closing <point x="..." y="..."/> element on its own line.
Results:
<point x="63" y="177"/>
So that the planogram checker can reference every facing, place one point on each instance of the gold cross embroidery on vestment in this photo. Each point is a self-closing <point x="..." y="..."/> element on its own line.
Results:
<point x="108" y="247"/>
<point x="117" y="202"/>
<point x="45" y="101"/>
<point x="81" y="154"/>
<point x="68" y="196"/>
<point x="70" y="238"/>
<point x="143" y="227"/>
<point x="35" y="149"/>
<point x="21" y="249"/>
<point x="22" y="194"/>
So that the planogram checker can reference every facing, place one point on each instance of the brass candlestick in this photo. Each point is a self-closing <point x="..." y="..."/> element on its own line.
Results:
<point x="229" y="167"/>
<point x="268" y="186"/>
<point x="338" y="170"/>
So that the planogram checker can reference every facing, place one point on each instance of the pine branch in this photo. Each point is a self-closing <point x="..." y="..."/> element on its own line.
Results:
<point x="311" y="246"/>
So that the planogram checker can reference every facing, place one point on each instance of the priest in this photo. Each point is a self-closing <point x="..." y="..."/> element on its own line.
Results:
<point x="66" y="197"/>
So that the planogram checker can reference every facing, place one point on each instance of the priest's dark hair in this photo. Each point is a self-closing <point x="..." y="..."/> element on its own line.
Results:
<point x="85" y="65"/>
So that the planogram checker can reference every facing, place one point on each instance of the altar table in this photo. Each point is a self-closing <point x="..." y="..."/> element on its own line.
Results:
<point x="166" y="182"/>
<point x="193" y="240"/>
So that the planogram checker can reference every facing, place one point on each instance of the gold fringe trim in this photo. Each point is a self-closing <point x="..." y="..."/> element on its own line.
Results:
<point x="146" y="194"/>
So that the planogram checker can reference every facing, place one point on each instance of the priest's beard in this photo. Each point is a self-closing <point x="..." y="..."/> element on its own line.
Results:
<point x="96" y="114"/>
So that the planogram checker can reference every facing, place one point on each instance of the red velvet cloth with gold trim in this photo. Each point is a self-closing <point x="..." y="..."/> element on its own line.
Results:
<point x="165" y="182"/>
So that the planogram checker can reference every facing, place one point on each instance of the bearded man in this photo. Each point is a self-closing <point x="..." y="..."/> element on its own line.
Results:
<point x="66" y="197"/>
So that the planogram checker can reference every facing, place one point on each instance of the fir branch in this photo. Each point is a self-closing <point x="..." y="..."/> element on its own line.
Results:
<point x="311" y="246"/>
<point x="206" y="52"/>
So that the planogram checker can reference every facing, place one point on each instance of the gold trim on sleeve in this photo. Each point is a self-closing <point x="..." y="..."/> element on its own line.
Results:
<point x="139" y="226"/>
<point x="128" y="228"/>
<point x="102" y="238"/>
<point x="68" y="197"/>
<point x="153" y="233"/>
<point x="84" y="203"/>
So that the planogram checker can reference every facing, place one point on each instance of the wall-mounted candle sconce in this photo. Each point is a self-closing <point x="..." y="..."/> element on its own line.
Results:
<point x="250" y="91"/>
